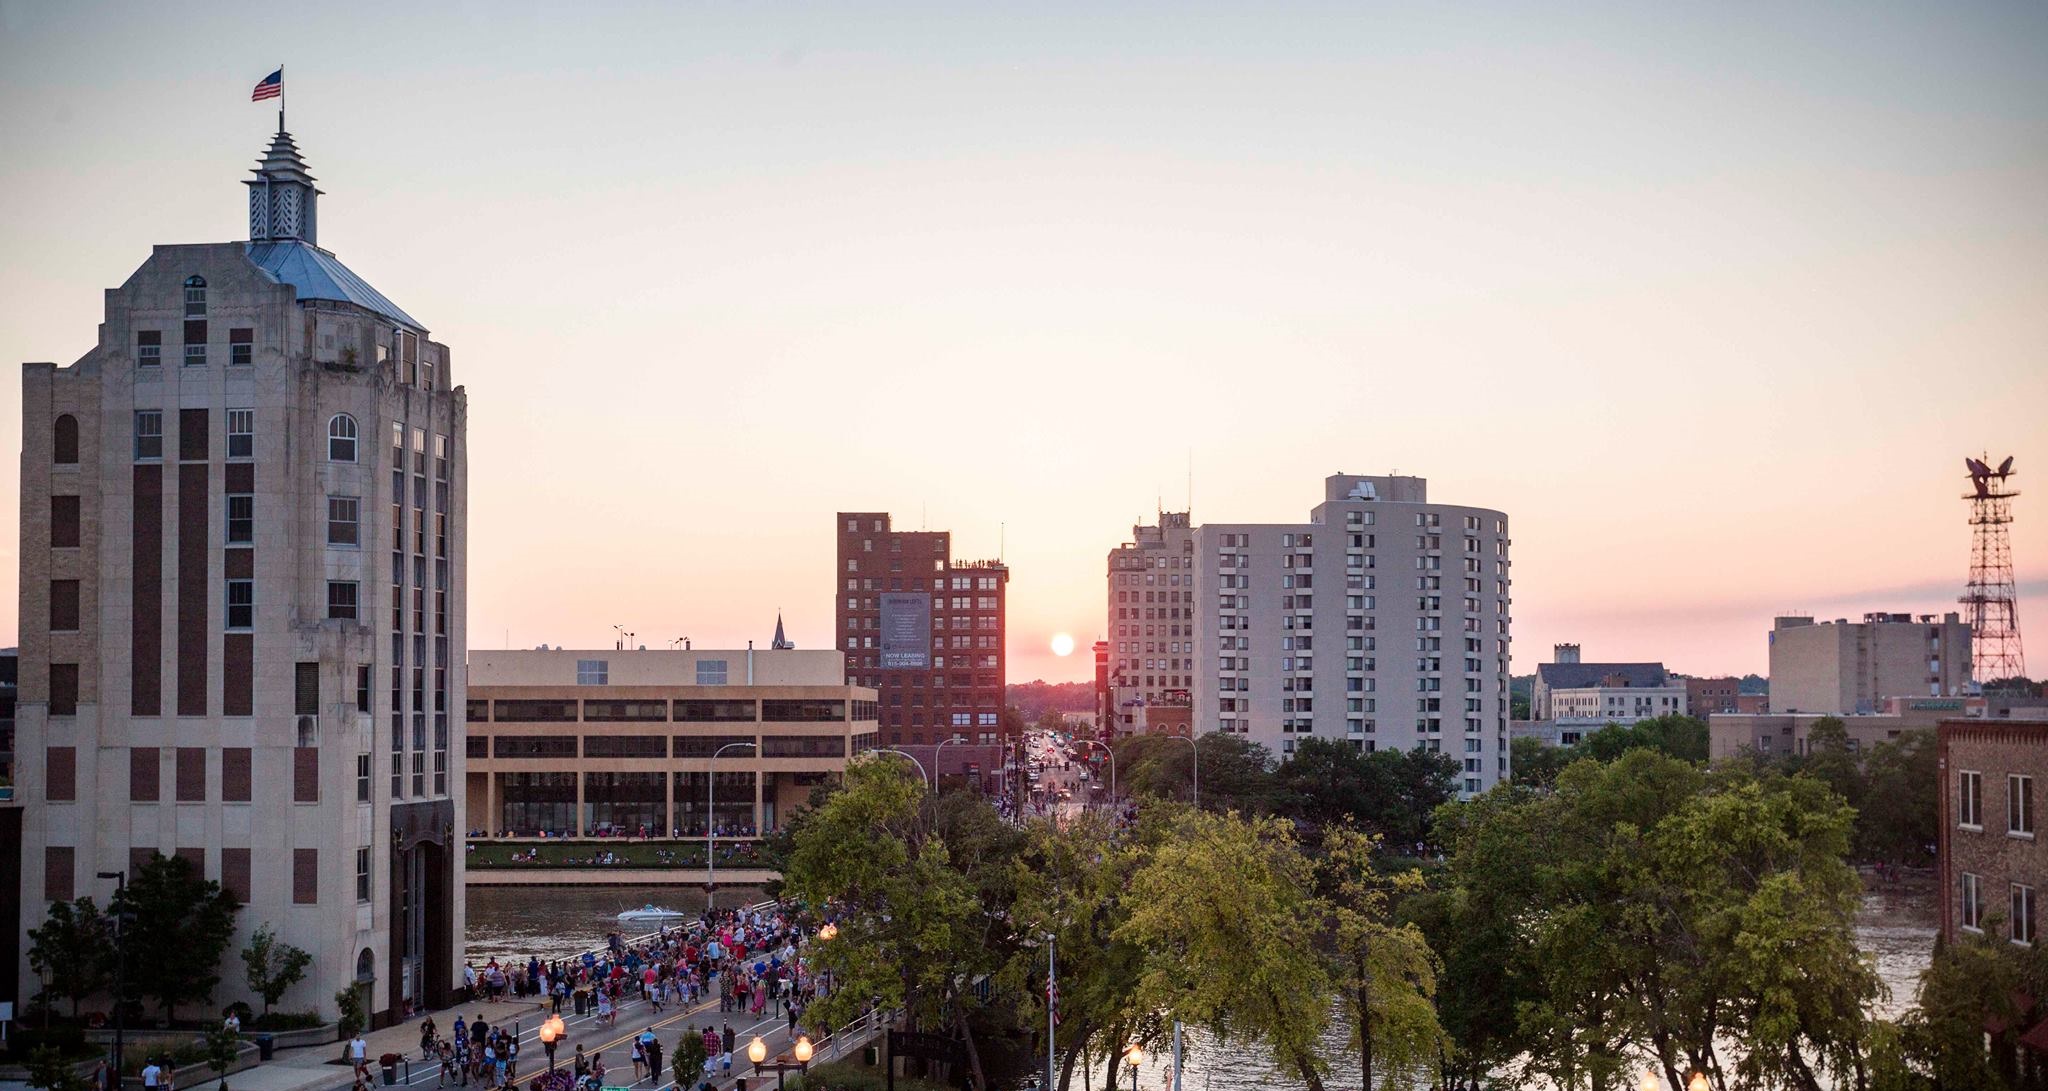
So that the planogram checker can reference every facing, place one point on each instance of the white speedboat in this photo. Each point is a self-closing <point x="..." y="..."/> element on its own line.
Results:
<point x="651" y="914"/>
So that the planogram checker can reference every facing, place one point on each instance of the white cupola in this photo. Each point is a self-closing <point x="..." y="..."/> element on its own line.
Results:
<point x="282" y="198"/>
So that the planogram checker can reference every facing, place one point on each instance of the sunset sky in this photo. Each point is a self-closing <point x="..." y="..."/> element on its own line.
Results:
<point x="1711" y="299"/>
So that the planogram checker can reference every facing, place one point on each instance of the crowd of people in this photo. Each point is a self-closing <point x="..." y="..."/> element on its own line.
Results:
<point x="749" y="959"/>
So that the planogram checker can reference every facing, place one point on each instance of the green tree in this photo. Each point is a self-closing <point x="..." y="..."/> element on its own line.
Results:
<point x="183" y="923"/>
<point x="222" y="1047"/>
<point x="924" y="886"/>
<point x="1896" y="819"/>
<point x="1237" y="774"/>
<point x="688" y="1066"/>
<point x="1070" y="882"/>
<point x="348" y="1007"/>
<point x="1384" y="971"/>
<point x="273" y="967"/>
<point x="1660" y="908"/>
<point x="1224" y="907"/>
<point x="72" y="951"/>
<point x="1536" y="765"/>
<point x="49" y="1070"/>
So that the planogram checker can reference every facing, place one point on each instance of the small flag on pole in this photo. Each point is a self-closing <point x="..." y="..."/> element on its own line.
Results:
<point x="271" y="86"/>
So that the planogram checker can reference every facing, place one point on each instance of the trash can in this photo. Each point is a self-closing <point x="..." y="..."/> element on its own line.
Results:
<point x="265" y="1045"/>
<point x="390" y="1072"/>
<point x="582" y="1002"/>
<point x="871" y="1056"/>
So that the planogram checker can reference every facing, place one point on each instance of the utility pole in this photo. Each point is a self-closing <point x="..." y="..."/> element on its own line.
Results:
<point x="120" y="945"/>
<point x="1052" y="1018"/>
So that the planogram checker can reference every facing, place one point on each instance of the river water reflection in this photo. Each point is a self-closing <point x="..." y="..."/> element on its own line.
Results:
<point x="1895" y="927"/>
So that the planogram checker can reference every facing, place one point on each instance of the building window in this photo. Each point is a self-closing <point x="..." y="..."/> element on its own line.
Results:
<point x="241" y="347"/>
<point x="241" y="604"/>
<point x="341" y="599"/>
<point x="64" y="440"/>
<point x="592" y="672"/>
<point x="149" y="434"/>
<point x="363" y="875"/>
<point x="1973" y="902"/>
<point x="2019" y="805"/>
<point x="149" y="348"/>
<point x="341" y="438"/>
<point x="1970" y="800"/>
<point x="241" y="518"/>
<point x="342" y="526"/>
<point x="362" y="778"/>
<point x="195" y="342"/>
<point x="63" y="606"/>
<point x="63" y="689"/>
<point x="64" y="526"/>
<point x="711" y="672"/>
<point x="195" y="297"/>
<point x="241" y="433"/>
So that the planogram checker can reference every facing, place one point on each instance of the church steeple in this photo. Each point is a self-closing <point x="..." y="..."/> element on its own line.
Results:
<point x="283" y="201"/>
<point x="781" y="643"/>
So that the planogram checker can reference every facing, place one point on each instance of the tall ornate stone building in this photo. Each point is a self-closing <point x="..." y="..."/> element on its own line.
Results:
<point x="242" y="640"/>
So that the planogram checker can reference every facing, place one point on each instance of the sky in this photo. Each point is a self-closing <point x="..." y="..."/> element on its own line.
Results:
<point x="1711" y="299"/>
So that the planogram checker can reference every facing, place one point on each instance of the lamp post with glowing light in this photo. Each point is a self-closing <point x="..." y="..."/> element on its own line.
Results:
<point x="551" y="1031"/>
<point x="799" y="1057"/>
<point x="1697" y="1083"/>
<point x="1133" y="1057"/>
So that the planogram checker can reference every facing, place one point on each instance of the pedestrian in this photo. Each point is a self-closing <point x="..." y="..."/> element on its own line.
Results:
<point x="639" y="1060"/>
<point x="359" y="1052"/>
<point x="152" y="1075"/>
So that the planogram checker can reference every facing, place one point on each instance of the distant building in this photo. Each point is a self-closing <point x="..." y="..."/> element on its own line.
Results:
<point x="1844" y="667"/>
<point x="923" y="630"/>
<point x="1382" y="621"/>
<point x="1151" y="625"/>
<point x="1706" y="696"/>
<point x="1596" y="694"/>
<point x="566" y="743"/>
<point x="1783" y="734"/>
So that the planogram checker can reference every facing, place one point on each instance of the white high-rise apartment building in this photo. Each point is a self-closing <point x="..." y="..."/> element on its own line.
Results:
<point x="1382" y="621"/>
<point x="242" y="544"/>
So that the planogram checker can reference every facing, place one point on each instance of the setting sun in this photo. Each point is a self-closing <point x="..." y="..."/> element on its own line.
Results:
<point x="1062" y="644"/>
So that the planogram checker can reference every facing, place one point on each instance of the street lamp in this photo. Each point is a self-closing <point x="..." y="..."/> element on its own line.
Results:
<point x="711" y="826"/>
<point x="939" y="770"/>
<point x="120" y="965"/>
<point x="757" y="1052"/>
<point x="551" y="1030"/>
<point x="828" y="931"/>
<point x="1697" y="1083"/>
<point x="1196" y="747"/>
<point x="1133" y="1057"/>
<point x="927" y="777"/>
<point x="1112" y="764"/>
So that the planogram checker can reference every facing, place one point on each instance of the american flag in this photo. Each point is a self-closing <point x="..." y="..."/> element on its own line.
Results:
<point x="1052" y="1000"/>
<point x="270" y="86"/>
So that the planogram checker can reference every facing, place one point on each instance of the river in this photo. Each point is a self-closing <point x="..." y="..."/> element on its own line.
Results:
<point x="1895" y="927"/>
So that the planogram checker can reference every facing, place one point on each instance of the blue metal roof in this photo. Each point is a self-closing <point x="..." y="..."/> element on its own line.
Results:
<point x="316" y="274"/>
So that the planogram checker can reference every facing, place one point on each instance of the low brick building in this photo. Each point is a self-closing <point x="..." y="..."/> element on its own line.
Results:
<point x="1991" y="857"/>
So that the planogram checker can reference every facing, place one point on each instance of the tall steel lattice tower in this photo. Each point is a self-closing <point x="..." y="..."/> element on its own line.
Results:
<point x="1991" y="598"/>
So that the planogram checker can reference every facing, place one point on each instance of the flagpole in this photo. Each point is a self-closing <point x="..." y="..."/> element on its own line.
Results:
<point x="280" y="98"/>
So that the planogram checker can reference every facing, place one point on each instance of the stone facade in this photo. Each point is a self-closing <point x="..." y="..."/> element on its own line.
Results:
<point x="242" y="554"/>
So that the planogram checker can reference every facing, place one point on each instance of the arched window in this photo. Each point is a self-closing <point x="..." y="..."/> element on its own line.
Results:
<point x="195" y="297"/>
<point x="366" y="966"/>
<point x="341" y="438"/>
<point x="66" y="440"/>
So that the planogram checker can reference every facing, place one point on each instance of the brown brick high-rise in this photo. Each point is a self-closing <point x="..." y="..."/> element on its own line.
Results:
<point x="922" y="629"/>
